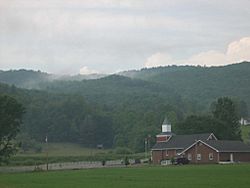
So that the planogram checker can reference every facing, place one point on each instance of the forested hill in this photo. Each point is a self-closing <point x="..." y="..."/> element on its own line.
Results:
<point x="202" y="84"/>
<point x="24" y="78"/>
<point x="31" y="79"/>
<point x="122" y="109"/>
<point x="63" y="118"/>
<point x="125" y="109"/>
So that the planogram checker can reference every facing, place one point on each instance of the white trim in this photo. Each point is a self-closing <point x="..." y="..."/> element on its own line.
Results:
<point x="231" y="151"/>
<point x="196" y="143"/>
<point x="166" y="149"/>
<point x="188" y="147"/>
<point x="159" y="136"/>
<point x="211" y="156"/>
<point x="198" y="156"/>
<point x="212" y="134"/>
<point x="209" y="146"/>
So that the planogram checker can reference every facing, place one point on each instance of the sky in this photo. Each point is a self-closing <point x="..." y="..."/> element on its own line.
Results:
<point x="108" y="36"/>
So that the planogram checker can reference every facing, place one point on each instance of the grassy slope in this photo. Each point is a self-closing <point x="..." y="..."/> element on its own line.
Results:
<point x="65" y="149"/>
<point x="204" y="176"/>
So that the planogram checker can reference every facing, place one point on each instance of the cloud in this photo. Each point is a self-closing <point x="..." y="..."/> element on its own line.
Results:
<point x="60" y="36"/>
<point x="237" y="51"/>
<point x="159" y="59"/>
<point x="209" y="58"/>
<point x="85" y="71"/>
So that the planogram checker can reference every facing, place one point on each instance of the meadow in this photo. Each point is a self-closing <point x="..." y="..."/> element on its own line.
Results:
<point x="68" y="152"/>
<point x="189" y="176"/>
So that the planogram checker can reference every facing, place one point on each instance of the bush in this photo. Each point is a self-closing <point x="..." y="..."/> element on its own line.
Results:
<point x="126" y="161"/>
<point x="103" y="162"/>
<point x="172" y="160"/>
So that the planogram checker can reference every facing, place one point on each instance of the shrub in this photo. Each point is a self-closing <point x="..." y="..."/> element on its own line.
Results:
<point x="126" y="161"/>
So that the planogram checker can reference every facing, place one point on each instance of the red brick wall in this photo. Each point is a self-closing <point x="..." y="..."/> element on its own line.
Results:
<point x="204" y="150"/>
<point x="158" y="155"/>
<point x="161" y="139"/>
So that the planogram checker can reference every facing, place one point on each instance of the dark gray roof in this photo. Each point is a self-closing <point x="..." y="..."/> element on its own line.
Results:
<point x="181" y="141"/>
<point x="228" y="145"/>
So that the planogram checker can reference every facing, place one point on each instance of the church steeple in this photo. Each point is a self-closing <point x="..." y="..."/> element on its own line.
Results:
<point x="166" y="133"/>
<point x="166" y="126"/>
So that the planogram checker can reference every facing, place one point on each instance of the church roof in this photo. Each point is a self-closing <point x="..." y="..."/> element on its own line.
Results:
<point x="228" y="145"/>
<point x="181" y="141"/>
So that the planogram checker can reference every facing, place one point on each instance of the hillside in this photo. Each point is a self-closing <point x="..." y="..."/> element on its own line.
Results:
<point x="202" y="84"/>
<point x="30" y="79"/>
<point x="63" y="118"/>
<point x="24" y="78"/>
<point x="125" y="109"/>
<point x="122" y="109"/>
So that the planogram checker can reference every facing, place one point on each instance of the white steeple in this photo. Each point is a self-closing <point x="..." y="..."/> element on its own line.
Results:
<point x="166" y="126"/>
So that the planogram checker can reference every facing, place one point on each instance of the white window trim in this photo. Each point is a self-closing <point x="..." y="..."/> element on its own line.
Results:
<point x="198" y="156"/>
<point x="211" y="156"/>
<point x="189" y="156"/>
<point x="166" y="152"/>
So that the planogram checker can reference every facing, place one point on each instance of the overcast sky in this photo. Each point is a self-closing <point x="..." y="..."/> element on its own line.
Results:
<point x="106" y="36"/>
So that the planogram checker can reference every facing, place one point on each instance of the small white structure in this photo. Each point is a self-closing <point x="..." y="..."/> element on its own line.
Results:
<point x="166" y="126"/>
<point x="244" y="121"/>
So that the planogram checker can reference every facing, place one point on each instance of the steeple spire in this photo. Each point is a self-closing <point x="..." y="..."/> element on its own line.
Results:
<point x="166" y="126"/>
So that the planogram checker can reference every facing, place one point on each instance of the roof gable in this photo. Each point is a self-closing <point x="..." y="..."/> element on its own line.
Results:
<point x="181" y="141"/>
<point x="223" y="146"/>
<point x="229" y="145"/>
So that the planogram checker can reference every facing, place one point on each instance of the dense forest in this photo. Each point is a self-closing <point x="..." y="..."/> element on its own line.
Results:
<point x="121" y="110"/>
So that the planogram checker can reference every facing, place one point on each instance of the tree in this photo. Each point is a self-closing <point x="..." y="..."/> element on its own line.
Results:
<point x="225" y="112"/>
<point x="195" y="124"/>
<point x="10" y="120"/>
<point x="224" y="122"/>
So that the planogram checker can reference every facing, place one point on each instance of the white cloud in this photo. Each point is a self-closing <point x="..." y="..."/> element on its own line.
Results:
<point x="85" y="71"/>
<point x="237" y="51"/>
<point x="159" y="59"/>
<point x="58" y="36"/>
<point x="209" y="58"/>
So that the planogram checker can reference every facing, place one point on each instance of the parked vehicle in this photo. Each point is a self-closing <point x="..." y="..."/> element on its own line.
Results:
<point x="181" y="161"/>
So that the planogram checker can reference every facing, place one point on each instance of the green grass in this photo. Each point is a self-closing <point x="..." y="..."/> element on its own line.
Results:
<point x="203" y="176"/>
<point x="58" y="152"/>
<point x="64" y="149"/>
<point x="66" y="152"/>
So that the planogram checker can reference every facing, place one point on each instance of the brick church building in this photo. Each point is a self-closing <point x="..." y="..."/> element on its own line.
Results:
<point x="197" y="148"/>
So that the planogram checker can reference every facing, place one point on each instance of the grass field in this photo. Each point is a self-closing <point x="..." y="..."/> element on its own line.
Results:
<point x="67" y="152"/>
<point x="64" y="149"/>
<point x="203" y="176"/>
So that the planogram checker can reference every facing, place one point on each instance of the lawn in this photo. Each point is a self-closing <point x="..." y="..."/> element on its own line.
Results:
<point x="64" y="149"/>
<point x="67" y="152"/>
<point x="203" y="176"/>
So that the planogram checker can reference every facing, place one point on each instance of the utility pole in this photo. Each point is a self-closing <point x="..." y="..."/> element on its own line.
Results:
<point x="146" y="143"/>
<point x="47" y="153"/>
<point x="196" y="161"/>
